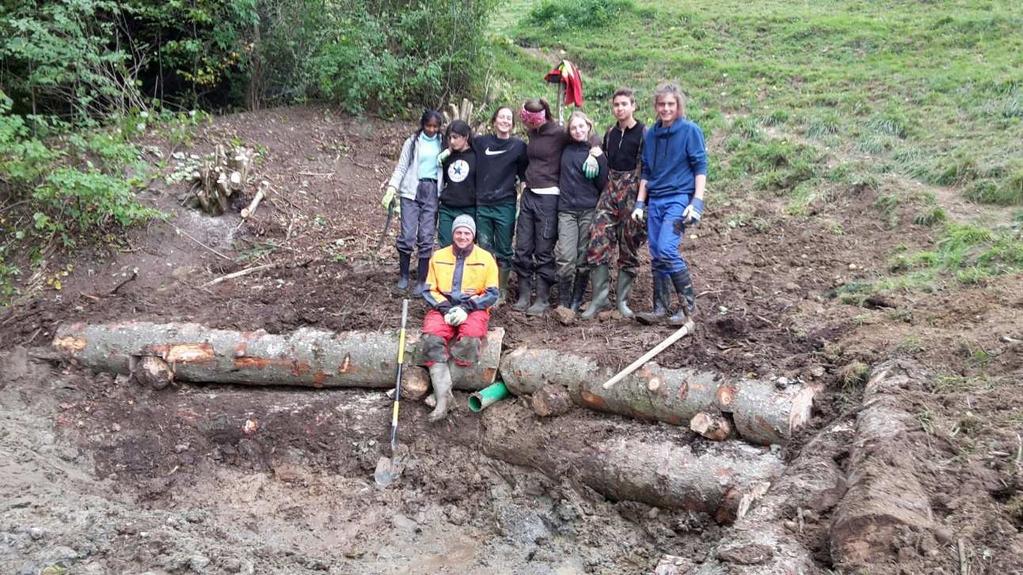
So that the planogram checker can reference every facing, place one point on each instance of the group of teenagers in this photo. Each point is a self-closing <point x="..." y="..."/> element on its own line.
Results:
<point x="582" y="197"/>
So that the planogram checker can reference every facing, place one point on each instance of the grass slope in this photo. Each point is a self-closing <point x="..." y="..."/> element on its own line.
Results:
<point x="807" y="101"/>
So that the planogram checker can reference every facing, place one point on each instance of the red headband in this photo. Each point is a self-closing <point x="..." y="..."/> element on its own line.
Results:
<point x="533" y="117"/>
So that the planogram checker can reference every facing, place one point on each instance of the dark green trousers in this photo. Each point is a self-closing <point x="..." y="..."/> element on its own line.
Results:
<point x="447" y="217"/>
<point x="495" y="228"/>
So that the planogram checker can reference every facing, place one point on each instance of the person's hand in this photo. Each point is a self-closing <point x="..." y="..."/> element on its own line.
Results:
<point x="443" y="155"/>
<point x="693" y="212"/>
<point x="591" y="168"/>
<point x="389" y="198"/>
<point x="456" y="316"/>
<point x="639" y="212"/>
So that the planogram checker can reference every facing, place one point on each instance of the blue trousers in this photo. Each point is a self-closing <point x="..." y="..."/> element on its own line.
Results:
<point x="665" y="228"/>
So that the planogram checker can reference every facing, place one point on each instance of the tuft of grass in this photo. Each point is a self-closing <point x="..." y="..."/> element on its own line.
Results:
<point x="746" y="127"/>
<point x="930" y="216"/>
<point x="824" y="125"/>
<point x="564" y="15"/>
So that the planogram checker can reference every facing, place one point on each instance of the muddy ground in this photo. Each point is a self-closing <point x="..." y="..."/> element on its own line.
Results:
<point x="99" y="475"/>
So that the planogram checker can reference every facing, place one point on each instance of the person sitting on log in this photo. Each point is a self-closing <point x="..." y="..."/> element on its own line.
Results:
<point x="461" y="286"/>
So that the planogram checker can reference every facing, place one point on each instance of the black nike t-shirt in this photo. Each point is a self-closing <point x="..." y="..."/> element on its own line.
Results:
<point x="498" y="163"/>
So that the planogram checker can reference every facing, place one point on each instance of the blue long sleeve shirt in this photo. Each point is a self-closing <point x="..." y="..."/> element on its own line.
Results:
<point x="672" y="158"/>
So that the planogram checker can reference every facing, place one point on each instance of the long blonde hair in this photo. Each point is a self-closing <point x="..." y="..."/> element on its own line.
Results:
<point x="582" y="115"/>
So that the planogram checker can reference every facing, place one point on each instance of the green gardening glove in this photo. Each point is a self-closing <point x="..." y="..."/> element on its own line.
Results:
<point x="591" y="168"/>
<point x="443" y="155"/>
<point x="390" y="198"/>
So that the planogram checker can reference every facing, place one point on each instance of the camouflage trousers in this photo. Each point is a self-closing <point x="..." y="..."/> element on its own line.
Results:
<point x="613" y="224"/>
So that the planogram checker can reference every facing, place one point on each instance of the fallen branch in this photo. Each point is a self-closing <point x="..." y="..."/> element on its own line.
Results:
<point x="189" y="236"/>
<point x="251" y="209"/>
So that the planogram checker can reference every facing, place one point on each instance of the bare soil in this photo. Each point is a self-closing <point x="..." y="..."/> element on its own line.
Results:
<point x="102" y="476"/>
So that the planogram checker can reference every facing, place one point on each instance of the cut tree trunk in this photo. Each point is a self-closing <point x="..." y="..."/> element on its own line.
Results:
<point x="767" y="541"/>
<point x="306" y="357"/>
<point x="713" y="426"/>
<point x="763" y="413"/>
<point x="885" y="498"/>
<point x="768" y="415"/>
<point x="721" y="479"/>
<point x="551" y="400"/>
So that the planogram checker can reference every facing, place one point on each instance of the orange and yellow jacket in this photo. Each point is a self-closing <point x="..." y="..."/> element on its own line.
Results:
<point x="466" y="278"/>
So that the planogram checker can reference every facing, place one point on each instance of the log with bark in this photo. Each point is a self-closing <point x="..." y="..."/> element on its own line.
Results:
<point x="764" y="541"/>
<point x="885" y="498"/>
<point x="636" y="463"/>
<point x="550" y="400"/>
<point x="767" y="414"/>
<point x="307" y="357"/>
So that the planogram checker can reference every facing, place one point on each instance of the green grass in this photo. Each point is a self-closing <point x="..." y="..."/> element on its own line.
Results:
<point x="813" y="102"/>
<point x="931" y="90"/>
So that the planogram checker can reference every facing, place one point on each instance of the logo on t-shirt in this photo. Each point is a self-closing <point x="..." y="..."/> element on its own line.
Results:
<point x="490" y="152"/>
<point x="458" y="171"/>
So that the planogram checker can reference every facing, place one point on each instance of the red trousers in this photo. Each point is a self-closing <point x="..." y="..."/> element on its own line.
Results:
<point x="437" y="335"/>
<point x="475" y="325"/>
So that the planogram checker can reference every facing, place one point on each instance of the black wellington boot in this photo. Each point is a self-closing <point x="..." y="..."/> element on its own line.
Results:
<point x="525" y="288"/>
<point x="421" y="272"/>
<point x="404" y="263"/>
<point x="686" y="298"/>
<point x="565" y="292"/>
<point x="542" y="301"/>
<point x="661" y="302"/>
<point x="582" y="279"/>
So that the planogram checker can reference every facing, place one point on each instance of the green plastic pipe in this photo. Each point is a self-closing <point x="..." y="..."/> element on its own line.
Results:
<point x="486" y="396"/>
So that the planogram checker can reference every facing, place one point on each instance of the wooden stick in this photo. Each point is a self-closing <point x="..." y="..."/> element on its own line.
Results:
<point x="246" y="212"/>
<point x="239" y="274"/>
<point x="679" y="334"/>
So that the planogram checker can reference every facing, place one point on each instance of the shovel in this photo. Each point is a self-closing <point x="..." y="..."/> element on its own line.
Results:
<point x="390" y="468"/>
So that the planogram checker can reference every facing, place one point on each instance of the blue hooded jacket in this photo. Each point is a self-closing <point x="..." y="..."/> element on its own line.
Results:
<point x="672" y="158"/>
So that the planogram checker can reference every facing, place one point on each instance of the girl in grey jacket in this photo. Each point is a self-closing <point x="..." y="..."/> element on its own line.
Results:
<point x="413" y="192"/>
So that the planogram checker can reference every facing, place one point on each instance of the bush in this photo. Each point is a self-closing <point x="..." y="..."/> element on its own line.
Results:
<point x="564" y="15"/>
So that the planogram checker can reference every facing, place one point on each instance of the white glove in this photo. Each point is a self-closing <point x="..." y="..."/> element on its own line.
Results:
<point x="693" y="212"/>
<point x="639" y="212"/>
<point x="456" y="316"/>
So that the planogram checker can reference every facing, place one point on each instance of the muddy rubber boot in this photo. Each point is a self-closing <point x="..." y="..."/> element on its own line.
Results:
<point x="542" y="301"/>
<point x="404" y="263"/>
<point x="565" y="292"/>
<point x="440" y="378"/>
<point x="686" y="298"/>
<point x="601" y="278"/>
<point x="502" y="285"/>
<point x="661" y="302"/>
<point x="421" y="272"/>
<point x="525" y="287"/>
<point x="582" y="279"/>
<point x="625" y="280"/>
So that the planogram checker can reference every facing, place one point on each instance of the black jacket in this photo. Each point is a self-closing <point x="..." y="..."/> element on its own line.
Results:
<point x="459" y="180"/>
<point x="577" y="191"/>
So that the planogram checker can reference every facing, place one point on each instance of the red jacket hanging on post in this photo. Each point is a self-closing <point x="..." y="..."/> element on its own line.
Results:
<point x="567" y="74"/>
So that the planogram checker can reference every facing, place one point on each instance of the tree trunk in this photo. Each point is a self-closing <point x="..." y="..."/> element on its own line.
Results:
<point x="307" y="357"/>
<point x="767" y="541"/>
<point x="885" y="497"/>
<point x="551" y="400"/>
<point x="721" y="479"/>
<point x="763" y="415"/>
